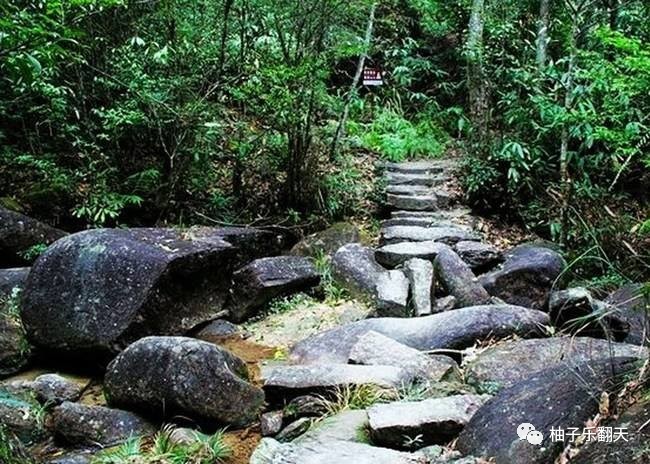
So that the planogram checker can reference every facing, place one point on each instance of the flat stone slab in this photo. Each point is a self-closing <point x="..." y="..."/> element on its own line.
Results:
<point x="455" y="329"/>
<point x="448" y="235"/>
<point x="374" y="348"/>
<point x="514" y="361"/>
<point x="560" y="397"/>
<point x="430" y="167"/>
<point x="435" y="421"/>
<point x="291" y="381"/>
<point x="348" y="425"/>
<point x="398" y="253"/>
<point x="270" y="451"/>
<point x="408" y="189"/>
<point x="413" y="202"/>
<point x="393" y="294"/>
<point x="459" y="213"/>
<point x="421" y="179"/>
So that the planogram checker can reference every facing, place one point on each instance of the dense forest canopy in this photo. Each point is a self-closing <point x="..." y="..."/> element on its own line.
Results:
<point x="118" y="112"/>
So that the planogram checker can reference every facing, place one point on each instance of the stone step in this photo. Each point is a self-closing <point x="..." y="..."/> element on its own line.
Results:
<point x="448" y="235"/>
<point x="398" y="253"/>
<point x="423" y="222"/>
<point x="409" y="189"/>
<point x="449" y="214"/>
<point x="413" y="202"/>
<point x="421" y="167"/>
<point x="393" y="178"/>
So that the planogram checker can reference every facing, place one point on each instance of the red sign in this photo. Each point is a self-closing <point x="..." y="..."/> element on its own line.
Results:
<point x="372" y="76"/>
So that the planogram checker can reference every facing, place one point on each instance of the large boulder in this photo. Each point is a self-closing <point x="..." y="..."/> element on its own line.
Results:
<point x="632" y="449"/>
<point x="18" y="233"/>
<point x="327" y="241"/>
<point x="84" y="425"/>
<point x="527" y="277"/>
<point x="455" y="329"/>
<point x="458" y="280"/>
<point x="478" y="255"/>
<point x="393" y="294"/>
<point x="564" y="396"/>
<point x="433" y="421"/>
<point x="166" y="376"/>
<point x="94" y="292"/>
<point x="11" y="279"/>
<point x="631" y="304"/>
<point x="354" y="266"/>
<point x="510" y="362"/>
<point x="259" y="282"/>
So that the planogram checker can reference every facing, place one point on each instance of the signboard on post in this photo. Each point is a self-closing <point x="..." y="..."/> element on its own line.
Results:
<point x="372" y="76"/>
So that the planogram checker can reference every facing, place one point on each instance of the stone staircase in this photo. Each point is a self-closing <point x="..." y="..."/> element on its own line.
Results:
<point x="423" y="221"/>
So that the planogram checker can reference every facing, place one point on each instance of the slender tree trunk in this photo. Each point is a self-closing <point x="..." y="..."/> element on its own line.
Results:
<point x="476" y="78"/>
<point x="542" y="33"/>
<point x="565" y="177"/>
<point x="340" y="129"/>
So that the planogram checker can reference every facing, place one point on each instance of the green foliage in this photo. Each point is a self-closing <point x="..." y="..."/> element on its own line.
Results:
<point x="33" y="251"/>
<point x="11" y="451"/>
<point x="333" y="292"/>
<point x="204" y="449"/>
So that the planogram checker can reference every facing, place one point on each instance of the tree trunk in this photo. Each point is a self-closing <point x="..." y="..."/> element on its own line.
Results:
<point x="477" y="79"/>
<point x="565" y="177"/>
<point x="340" y="129"/>
<point x="542" y="33"/>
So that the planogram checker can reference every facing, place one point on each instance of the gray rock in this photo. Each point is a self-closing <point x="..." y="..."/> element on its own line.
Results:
<point x="576" y="311"/>
<point x="458" y="280"/>
<point x="79" y="424"/>
<point x="444" y="198"/>
<point x="73" y="458"/>
<point x="259" y="282"/>
<point x="55" y="389"/>
<point x="306" y="405"/>
<point x="448" y="235"/>
<point x="271" y="423"/>
<point x="327" y="241"/>
<point x="348" y="425"/>
<point x="460" y="215"/>
<point x="182" y="376"/>
<point x="410" y="190"/>
<point x="446" y="303"/>
<point x="294" y="430"/>
<point x="420" y="275"/>
<point x="452" y="330"/>
<point x="18" y="233"/>
<point x="434" y="421"/>
<point x="270" y="451"/>
<point x="11" y="279"/>
<point x="508" y="363"/>
<point x="144" y="282"/>
<point x="291" y="381"/>
<point x="398" y="253"/>
<point x="563" y="396"/>
<point x="478" y="255"/>
<point x="15" y="350"/>
<point x="632" y="451"/>
<point x="408" y="221"/>
<point x="374" y="348"/>
<point x="393" y="294"/>
<point x="527" y="276"/>
<point x="413" y="202"/>
<point x="632" y="305"/>
<point x="20" y="415"/>
<point x="219" y="331"/>
<point x="354" y="267"/>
